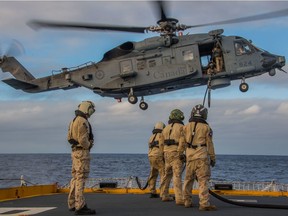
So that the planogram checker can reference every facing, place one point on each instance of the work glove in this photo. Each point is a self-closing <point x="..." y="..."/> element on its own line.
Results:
<point x="212" y="163"/>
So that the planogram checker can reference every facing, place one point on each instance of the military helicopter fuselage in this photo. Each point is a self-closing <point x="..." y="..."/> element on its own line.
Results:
<point x="156" y="65"/>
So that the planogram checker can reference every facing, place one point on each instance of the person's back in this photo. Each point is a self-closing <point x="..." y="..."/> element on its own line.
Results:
<point x="156" y="158"/>
<point x="199" y="156"/>
<point x="173" y="150"/>
<point x="202" y="145"/>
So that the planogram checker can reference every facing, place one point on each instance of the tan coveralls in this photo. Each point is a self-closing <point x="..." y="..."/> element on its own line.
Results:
<point x="218" y="58"/>
<point x="156" y="160"/>
<point x="79" y="130"/>
<point x="198" y="158"/>
<point x="173" y="164"/>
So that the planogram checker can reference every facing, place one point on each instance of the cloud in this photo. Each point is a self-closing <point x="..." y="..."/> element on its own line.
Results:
<point x="252" y="110"/>
<point x="282" y="109"/>
<point x="41" y="126"/>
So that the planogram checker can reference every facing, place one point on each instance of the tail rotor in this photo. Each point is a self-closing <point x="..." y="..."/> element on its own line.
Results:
<point x="13" y="48"/>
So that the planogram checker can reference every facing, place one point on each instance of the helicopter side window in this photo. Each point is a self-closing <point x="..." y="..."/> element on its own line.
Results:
<point x="166" y="60"/>
<point x="188" y="55"/>
<point x="242" y="48"/>
<point x="152" y="63"/>
<point x="141" y="65"/>
<point x="205" y="61"/>
<point x="126" y="66"/>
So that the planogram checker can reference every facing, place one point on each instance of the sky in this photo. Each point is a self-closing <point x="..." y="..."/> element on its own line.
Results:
<point x="251" y="123"/>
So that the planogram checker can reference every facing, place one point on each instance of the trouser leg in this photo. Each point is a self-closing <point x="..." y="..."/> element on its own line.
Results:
<point x="188" y="183"/>
<point x="203" y="175"/>
<point x="164" y="188"/>
<point x="152" y="180"/>
<point x="71" y="196"/>
<point x="177" y="181"/>
<point x="81" y="166"/>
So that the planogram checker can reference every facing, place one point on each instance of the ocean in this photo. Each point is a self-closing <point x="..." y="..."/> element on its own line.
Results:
<point x="51" y="168"/>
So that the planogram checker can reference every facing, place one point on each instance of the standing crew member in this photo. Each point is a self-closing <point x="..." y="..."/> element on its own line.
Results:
<point x="156" y="159"/>
<point x="80" y="137"/>
<point x="218" y="57"/>
<point x="173" y="154"/>
<point x="199" y="156"/>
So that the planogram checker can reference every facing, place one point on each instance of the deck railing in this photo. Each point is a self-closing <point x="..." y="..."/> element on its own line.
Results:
<point x="131" y="182"/>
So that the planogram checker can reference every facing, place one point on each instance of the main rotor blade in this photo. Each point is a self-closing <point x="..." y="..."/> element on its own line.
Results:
<point x="270" y="15"/>
<point x="35" y="24"/>
<point x="162" y="10"/>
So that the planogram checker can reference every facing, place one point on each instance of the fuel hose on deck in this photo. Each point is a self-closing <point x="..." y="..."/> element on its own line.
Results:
<point x="139" y="183"/>
<point x="253" y="205"/>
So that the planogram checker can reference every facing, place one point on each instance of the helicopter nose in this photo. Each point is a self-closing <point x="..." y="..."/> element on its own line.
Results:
<point x="268" y="60"/>
<point x="281" y="61"/>
<point x="272" y="61"/>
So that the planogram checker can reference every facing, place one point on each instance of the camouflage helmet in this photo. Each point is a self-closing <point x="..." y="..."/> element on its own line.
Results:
<point x="159" y="125"/>
<point x="87" y="107"/>
<point x="199" y="111"/>
<point x="177" y="115"/>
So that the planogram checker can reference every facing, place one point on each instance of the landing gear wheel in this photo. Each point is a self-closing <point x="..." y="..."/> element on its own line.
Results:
<point x="132" y="99"/>
<point x="143" y="105"/>
<point x="244" y="87"/>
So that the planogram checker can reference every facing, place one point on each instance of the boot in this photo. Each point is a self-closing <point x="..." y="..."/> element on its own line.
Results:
<point x="180" y="202"/>
<point x="207" y="208"/>
<point x="85" y="211"/>
<point x="188" y="204"/>
<point x="152" y="195"/>
<point x="72" y="209"/>
<point x="167" y="199"/>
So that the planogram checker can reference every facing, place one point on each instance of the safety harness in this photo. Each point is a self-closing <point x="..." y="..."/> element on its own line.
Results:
<point x="169" y="141"/>
<point x="196" y="120"/>
<point x="74" y="143"/>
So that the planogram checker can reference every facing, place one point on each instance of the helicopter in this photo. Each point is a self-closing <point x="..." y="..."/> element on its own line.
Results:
<point x="159" y="64"/>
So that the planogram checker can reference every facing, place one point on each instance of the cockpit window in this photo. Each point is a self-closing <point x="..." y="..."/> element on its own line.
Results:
<point x="242" y="48"/>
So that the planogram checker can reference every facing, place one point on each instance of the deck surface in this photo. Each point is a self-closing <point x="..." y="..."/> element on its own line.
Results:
<point x="135" y="205"/>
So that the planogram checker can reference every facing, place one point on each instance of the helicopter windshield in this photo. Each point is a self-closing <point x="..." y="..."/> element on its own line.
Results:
<point x="243" y="47"/>
<point x="258" y="49"/>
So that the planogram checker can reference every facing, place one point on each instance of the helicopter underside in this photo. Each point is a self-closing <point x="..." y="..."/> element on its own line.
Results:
<point x="218" y="81"/>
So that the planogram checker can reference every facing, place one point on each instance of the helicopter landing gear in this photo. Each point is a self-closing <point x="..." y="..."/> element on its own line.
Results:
<point x="132" y="98"/>
<point x="243" y="86"/>
<point x="143" y="105"/>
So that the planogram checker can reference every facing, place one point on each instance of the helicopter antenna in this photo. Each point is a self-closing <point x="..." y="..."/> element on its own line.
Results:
<point x="282" y="70"/>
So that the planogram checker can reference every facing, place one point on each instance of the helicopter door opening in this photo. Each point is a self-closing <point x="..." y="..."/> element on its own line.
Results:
<point x="211" y="58"/>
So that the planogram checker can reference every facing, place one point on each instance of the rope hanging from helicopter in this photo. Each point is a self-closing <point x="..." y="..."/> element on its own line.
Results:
<point x="208" y="90"/>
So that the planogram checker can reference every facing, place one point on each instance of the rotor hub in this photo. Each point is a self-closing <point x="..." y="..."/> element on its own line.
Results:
<point x="168" y="26"/>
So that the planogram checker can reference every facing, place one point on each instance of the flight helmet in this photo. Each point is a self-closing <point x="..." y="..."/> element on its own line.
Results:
<point x="87" y="107"/>
<point x="199" y="111"/>
<point x="176" y="114"/>
<point x="159" y="125"/>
